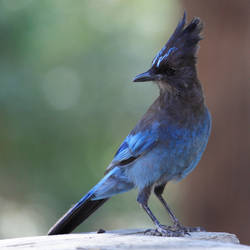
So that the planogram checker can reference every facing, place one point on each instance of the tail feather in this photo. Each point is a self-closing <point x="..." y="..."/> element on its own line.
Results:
<point x="114" y="182"/>
<point x="76" y="215"/>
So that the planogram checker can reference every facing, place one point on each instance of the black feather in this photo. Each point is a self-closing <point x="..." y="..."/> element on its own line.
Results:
<point x="183" y="44"/>
<point x="75" y="216"/>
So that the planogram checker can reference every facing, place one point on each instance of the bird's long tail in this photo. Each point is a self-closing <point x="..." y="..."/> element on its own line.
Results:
<point x="112" y="183"/>
<point x="76" y="215"/>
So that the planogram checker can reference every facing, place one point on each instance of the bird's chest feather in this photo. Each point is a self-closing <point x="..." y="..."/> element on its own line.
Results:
<point x="181" y="146"/>
<point x="178" y="149"/>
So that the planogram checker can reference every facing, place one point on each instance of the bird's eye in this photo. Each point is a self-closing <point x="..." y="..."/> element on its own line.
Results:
<point x="166" y="70"/>
<point x="170" y="71"/>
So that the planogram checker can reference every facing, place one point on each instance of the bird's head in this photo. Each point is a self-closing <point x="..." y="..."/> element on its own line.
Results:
<point x="175" y="62"/>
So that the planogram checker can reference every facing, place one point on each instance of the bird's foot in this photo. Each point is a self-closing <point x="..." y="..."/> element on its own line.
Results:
<point x="195" y="229"/>
<point x="166" y="231"/>
<point x="187" y="230"/>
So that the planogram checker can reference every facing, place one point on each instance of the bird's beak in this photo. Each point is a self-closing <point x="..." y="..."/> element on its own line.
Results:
<point x="144" y="77"/>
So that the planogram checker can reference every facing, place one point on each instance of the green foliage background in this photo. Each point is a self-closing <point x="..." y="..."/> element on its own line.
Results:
<point x="67" y="102"/>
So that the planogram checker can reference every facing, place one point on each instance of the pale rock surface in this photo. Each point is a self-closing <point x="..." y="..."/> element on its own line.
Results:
<point x="124" y="239"/>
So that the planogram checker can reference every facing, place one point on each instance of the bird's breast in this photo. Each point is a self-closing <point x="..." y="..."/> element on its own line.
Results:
<point x="183" y="146"/>
<point x="176" y="154"/>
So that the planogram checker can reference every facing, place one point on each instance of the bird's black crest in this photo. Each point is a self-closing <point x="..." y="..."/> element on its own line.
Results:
<point x="182" y="44"/>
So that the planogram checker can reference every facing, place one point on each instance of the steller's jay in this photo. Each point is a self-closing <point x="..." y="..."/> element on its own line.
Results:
<point x="166" y="144"/>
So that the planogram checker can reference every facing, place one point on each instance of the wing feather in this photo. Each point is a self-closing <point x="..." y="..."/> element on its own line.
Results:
<point x="133" y="147"/>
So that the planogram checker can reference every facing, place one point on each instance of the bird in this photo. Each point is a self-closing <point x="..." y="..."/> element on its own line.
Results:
<point x="165" y="145"/>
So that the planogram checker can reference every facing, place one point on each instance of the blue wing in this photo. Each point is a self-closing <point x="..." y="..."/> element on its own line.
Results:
<point x="135" y="145"/>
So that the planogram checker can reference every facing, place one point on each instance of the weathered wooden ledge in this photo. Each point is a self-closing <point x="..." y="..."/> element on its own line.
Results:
<point x="124" y="239"/>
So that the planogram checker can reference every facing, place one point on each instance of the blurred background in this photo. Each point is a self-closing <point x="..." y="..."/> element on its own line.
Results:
<point x="67" y="102"/>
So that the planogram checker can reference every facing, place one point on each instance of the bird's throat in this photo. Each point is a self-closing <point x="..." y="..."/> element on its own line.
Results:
<point x="183" y="98"/>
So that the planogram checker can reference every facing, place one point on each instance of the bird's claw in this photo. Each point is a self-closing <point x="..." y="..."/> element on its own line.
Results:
<point x="188" y="230"/>
<point x="173" y="231"/>
<point x="195" y="229"/>
<point x="166" y="231"/>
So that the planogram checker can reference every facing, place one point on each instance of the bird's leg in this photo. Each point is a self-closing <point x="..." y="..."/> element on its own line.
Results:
<point x="160" y="230"/>
<point x="158" y="192"/>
